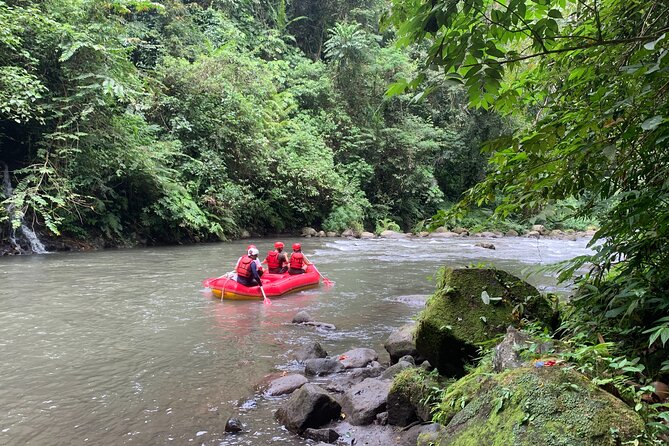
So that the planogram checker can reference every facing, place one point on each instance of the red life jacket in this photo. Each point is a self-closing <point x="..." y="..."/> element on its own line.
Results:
<point x="273" y="260"/>
<point x="244" y="267"/>
<point x="296" y="260"/>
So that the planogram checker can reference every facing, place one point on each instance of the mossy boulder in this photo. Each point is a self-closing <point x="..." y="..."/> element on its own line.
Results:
<point x="549" y="406"/>
<point x="472" y="306"/>
<point x="411" y="396"/>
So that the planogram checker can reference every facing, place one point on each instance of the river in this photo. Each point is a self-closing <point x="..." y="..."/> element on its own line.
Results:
<point x="123" y="346"/>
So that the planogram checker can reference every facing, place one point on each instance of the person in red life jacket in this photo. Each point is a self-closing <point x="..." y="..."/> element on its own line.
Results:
<point x="248" y="248"/>
<point x="298" y="263"/>
<point x="277" y="260"/>
<point x="247" y="270"/>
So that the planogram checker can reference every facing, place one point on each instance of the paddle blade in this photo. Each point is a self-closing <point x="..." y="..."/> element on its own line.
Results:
<point x="326" y="281"/>
<point x="265" y="299"/>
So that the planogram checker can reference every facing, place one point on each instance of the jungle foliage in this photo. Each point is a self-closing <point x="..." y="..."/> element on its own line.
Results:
<point x="175" y="121"/>
<point x="592" y="75"/>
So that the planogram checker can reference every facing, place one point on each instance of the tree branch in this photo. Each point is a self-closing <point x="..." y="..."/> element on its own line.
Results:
<point x="572" y="48"/>
<point x="598" y="22"/>
<point x="522" y="19"/>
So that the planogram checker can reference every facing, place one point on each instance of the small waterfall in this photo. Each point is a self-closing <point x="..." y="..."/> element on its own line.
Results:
<point x="36" y="245"/>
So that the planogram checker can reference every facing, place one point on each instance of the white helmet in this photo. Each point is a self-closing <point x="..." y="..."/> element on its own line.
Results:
<point x="253" y="252"/>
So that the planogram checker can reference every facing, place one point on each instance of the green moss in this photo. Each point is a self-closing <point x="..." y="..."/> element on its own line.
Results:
<point x="548" y="406"/>
<point x="408" y="378"/>
<point x="421" y="388"/>
<point x="456" y="319"/>
<point x="461" y="392"/>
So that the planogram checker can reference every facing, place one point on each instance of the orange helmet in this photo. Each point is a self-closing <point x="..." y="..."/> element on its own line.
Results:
<point x="250" y="246"/>
<point x="278" y="245"/>
<point x="296" y="246"/>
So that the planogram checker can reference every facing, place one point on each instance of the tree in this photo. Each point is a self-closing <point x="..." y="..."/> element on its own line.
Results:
<point x="317" y="17"/>
<point x="347" y="45"/>
<point x="593" y="76"/>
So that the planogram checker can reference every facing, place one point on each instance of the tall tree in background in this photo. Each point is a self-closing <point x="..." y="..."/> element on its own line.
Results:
<point x="135" y="120"/>
<point x="318" y="17"/>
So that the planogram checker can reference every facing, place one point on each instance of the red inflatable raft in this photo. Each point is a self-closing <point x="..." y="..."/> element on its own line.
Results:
<point x="275" y="285"/>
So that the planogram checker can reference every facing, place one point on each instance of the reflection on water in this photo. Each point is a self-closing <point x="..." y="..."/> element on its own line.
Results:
<point x="122" y="346"/>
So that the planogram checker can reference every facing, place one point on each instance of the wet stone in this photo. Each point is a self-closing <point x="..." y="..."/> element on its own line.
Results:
<point x="233" y="425"/>
<point x="324" y="435"/>
<point x="302" y="317"/>
<point x="322" y="366"/>
<point x="311" y="351"/>
<point x="286" y="384"/>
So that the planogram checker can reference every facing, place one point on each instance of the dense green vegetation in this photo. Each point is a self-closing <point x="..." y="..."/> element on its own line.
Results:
<point x="593" y="77"/>
<point x="180" y="120"/>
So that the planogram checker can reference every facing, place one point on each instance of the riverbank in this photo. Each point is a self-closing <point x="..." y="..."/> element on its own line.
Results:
<point x="22" y="245"/>
<point x="336" y="398"/>
<point x="351" y="398"/>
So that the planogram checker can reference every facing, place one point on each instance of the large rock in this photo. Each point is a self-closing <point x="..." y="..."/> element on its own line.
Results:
<point x="302" y="317"/>
<point x="537" y="406"/>
<point x="309" y="232"/>
<point x="444" y="234"/>
<point x="364" y="401"/>
<point x="348" y="233"/>
<point x="410" y="395"/>
<point x="310" y="351"/>
<point x="471" y="306"/>
<point x="541" y="229"/>
<point x="393" y="234"/>
<point x="358" y="357"/>
<point x="285" y="384"/>
<point x="401" y="342"/>
<point x="322" y="366"/>
<point x="308" y="407"/>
